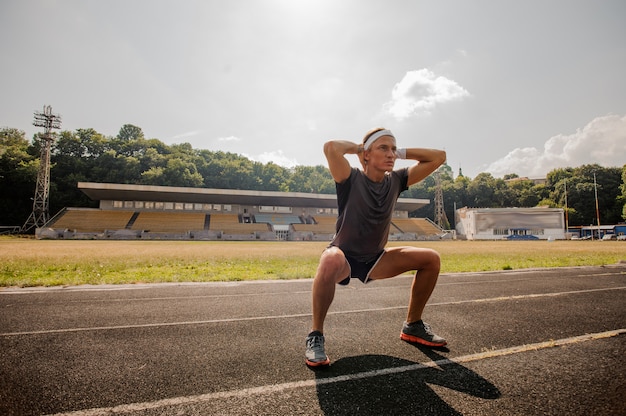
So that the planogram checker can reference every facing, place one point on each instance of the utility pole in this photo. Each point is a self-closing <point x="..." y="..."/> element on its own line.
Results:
<point x="40" y="214"/>
<point x="595" y="187"/>
<point x="566" y="209"/>
<point x="440" y="214"/>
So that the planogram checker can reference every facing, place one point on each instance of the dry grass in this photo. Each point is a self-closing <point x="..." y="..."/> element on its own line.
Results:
<point x="29" y="262"/>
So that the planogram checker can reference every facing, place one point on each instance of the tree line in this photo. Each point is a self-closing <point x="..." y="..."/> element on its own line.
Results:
<point x="84" y="155"/>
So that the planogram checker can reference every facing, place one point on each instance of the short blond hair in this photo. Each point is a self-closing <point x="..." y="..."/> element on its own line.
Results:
<point x="369" y="133"/>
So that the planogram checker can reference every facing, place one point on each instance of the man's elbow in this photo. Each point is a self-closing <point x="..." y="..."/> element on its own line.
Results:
<point x="441" y="157"/>
<point x="329" y="147"/>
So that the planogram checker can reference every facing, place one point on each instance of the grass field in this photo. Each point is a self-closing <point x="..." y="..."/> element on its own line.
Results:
<point x="30" y="262"/>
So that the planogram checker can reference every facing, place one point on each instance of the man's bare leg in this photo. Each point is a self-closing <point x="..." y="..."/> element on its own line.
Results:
<point x="427" y="262"/>
<point x="331" y="269"/>
<point x="423" y="285"/>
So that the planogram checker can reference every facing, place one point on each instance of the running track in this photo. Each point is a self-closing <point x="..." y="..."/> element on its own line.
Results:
<point x="547" y="341"/>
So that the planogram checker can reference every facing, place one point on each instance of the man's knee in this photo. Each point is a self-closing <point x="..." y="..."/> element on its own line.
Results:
<point x="332" y="265"/>
<point x="333" y="257"/>
<point x="434" y="258"/>
<point x="428" y="259"/>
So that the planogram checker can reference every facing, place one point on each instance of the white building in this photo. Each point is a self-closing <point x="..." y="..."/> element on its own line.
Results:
<point x="510" y="223"/>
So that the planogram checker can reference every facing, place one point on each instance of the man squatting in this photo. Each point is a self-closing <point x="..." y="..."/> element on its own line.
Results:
<point x="366" y="199"/>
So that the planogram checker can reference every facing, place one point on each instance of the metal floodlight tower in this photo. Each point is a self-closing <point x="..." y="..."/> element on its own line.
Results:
<point x="441" y="219"/>
<point x="40" y="214"/>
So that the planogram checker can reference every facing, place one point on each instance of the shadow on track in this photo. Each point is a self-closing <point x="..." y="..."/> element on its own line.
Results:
<point x="389" y="385"/>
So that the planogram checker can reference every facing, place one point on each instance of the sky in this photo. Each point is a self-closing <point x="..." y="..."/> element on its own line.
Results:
<point x="504" y="86"/>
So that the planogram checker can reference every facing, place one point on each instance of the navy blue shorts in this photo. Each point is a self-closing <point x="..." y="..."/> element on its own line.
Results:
<point x="359" y="269"/>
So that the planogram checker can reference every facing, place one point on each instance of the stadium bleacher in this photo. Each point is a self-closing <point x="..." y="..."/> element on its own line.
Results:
<point x="92" y="220"/>
<point x="114" y="224"/>
<point x="324" y="225"/>
<point x="143" y="224"/>
<point x="230" y="224"/>
<point x="168" y="222"/>
<point x="418" y="226"/>
<point x="128" y="211"/>
<point x="277" y="219"/>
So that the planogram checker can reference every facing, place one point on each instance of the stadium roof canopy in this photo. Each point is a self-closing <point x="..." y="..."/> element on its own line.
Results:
<point x="126" y="192"/>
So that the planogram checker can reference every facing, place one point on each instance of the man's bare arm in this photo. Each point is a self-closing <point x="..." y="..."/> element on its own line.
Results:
<point x="428" y="160"/>
<point x="335" y="151"/>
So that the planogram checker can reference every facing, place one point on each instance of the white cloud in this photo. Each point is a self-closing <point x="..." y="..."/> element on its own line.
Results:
<point x="602" y="141"/>
<point x="229" y="139"/>
<point x="277" y="156"/>
<point x="186" y="134"/>
<point x="420" y="91"/>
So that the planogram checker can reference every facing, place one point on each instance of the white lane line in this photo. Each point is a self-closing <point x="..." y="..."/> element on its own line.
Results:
<point x="278" y="388"/>
<point x="227" y="284"/>
<point x="536" y="278"/>
<point x="141" y="286"/>
<point x="531" y="296"/>
<point x="300" y="315"/>
<point x="55" y="291"/>
<point x="158" y="324"/>
<point x="248" y="295"/>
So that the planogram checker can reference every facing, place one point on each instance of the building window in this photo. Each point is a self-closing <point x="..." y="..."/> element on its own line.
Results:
<point x="278" y="209"/>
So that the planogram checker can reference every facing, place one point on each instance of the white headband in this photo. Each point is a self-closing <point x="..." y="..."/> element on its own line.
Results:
<point x="375" y="137"/>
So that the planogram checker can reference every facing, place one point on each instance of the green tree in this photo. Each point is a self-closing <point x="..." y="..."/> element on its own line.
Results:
<point x="74" y="155"/>
<point x="117" y="168"/>
<point x="623" y="197"/>
<point x="230" y="171"/>
<point x="608" y="182"/>
<point x="423" y="190"/>
<point x="18" y="174"/>
<point x="272" y="177"/>
<point x="581" y="193"/>
<point x="455" y="196"/>
<point x="481" y="191"/>
<point x="86" y="155"/>
<point x="180" y="172"/>
<point x="12" y="138"/>
<point x="312" y="179"/>
<point x="129" y="132"/>
<point x="524" y="192"/>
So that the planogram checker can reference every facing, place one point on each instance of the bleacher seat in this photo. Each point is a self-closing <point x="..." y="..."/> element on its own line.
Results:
<point x="325" y="225"/>
<point x="419" y="226"/>
<point x="92" y="220"/>
<point x="169" y="222"/>
<point x="229" y="224"/>
<point x="277" y="219"/>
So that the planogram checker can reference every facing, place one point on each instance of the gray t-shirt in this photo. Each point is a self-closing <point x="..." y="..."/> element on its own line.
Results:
<point x="365" y="211"/>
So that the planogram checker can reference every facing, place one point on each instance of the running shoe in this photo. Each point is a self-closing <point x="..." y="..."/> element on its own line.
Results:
<point x="315" y="355"/>
<point x="420" y="333"/>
